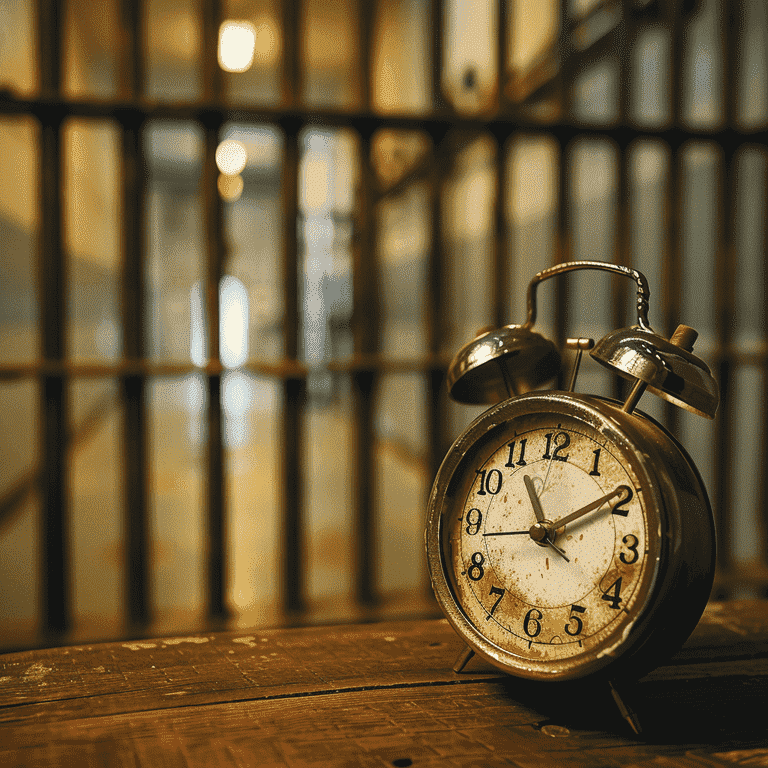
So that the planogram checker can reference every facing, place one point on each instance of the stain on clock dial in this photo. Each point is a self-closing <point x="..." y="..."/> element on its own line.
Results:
<point x="550" y="547"/>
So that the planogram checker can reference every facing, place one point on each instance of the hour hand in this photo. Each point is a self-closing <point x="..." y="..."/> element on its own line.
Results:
<point x="535" y="501"/>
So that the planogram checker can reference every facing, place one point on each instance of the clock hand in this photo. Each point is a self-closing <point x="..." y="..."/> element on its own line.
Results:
<point x="622" y="489"/>
<point x="539" y="512"/>
<point x="558" y="550"/>
<point x="506" y="533"/>
<point x="535" y="501"/>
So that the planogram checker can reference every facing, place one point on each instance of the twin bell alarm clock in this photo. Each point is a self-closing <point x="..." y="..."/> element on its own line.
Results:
<point x="569" y="536"/>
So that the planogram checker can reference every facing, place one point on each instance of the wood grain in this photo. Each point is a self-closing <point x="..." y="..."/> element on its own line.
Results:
<point x="375" y="695"/>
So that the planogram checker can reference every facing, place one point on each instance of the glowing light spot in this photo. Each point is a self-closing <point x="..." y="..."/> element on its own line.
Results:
<point x="231" y="157"/>
<point x="233" y="338"/>
<point x="233" y="323"/>
<point x="237" y="44"/>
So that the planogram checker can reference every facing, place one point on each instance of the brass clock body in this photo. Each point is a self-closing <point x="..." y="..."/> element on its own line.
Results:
<point x="569" y="538"/>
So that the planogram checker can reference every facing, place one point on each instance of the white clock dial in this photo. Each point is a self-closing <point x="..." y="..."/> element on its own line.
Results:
<point x="548" y="544"/>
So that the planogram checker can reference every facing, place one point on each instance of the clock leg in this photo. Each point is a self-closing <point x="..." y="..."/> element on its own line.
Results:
<point x="626" y="712"/>
<point x="463" y="658"/>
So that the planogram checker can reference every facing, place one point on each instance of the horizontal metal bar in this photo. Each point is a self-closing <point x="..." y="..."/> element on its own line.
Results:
<point x="384" y="364"/>
<point x="284" y="369"/>
<point x="361" y="121"/>
<point x="288" y="369"/>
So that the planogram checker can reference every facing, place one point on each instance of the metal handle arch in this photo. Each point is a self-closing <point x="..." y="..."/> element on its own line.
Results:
<point x="643" y="291"/>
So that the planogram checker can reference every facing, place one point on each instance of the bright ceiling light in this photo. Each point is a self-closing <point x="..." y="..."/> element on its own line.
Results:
<point x="231" y="157"/>
<point x="237" y="43"/>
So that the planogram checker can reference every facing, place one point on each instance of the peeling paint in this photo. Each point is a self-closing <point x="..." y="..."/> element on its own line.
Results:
<point x="138" y="646"/>
<point x="37" y="671"/>
<point x="178" y="640"/>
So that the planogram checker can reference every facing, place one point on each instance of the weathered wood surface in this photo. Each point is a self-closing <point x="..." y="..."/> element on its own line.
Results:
<point x="375" y="695"/>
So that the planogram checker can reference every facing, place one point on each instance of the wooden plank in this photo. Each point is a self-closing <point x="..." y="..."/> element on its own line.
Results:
<point x="125" y="677"/>
<point x="375" y="695"/>
<point x="475" y="724"/>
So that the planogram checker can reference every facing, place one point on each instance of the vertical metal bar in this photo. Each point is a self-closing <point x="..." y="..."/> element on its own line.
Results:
<point x="565" y="74"/>
<point x="725" y="301"/>
<point x="437" y="22"/>
<point x="49" y="47"/>
<point x="672" y="262"/>
<point x="626" y="43"/>
<point x="294" y="388"/>
<point x="365" y="47"/>
<point x="564" y="213"/>
<point x="293" y="576"/>
<point x="294" y="392"/>
<point x="132" y="67"/>
<point x="502" y="56"/>
<point x="762" y="500"/>
<point x="500" y="263"/>
<point x="216" y="485"/>
<point x="366" y="321"/>
<point x="52" y="277"/>
<point x="215" y="259"/>
<point x="622" y="242"/>
<point x="292" y="81"/>
<point x="436" y="405"/>
<point x="621" y="254"/>
<point x="135" y="453"/>
<point x="564" y="241"/>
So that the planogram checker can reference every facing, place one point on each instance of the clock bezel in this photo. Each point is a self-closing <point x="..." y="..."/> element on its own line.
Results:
<point x="672" y="492"/>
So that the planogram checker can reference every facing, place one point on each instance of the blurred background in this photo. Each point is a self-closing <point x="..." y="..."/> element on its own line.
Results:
<point x="240" y="241"/>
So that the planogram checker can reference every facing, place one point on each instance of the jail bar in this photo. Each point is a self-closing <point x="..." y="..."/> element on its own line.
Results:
<point x="54" y="539"/>
<point x="216" y="495"/>
<point x="138" y="609"/>
<point x="365" y="325"/>
<point x="447" y="129"/>
<point x="722" y="493"/>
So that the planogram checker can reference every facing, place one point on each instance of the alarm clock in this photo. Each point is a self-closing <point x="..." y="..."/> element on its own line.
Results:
<point x="570" y="536"/>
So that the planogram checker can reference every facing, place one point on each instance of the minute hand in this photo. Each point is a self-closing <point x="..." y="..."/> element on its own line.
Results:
<point x="589" y="507"/>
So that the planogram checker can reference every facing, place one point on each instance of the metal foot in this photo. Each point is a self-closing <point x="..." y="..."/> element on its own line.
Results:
<point x="463" y="658"/>
<point x="626" y="712"/>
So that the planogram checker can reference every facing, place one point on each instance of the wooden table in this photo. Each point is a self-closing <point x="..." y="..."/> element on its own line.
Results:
<point x="375" y="695"/>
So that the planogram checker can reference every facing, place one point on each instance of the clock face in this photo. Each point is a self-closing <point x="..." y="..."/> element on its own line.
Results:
<point x="549" y="544"/>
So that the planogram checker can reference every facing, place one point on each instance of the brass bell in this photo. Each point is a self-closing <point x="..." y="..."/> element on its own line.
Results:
<point x="515" y="359"/>
<point x="665" y="367"/>
<point x="501" y="363"/>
